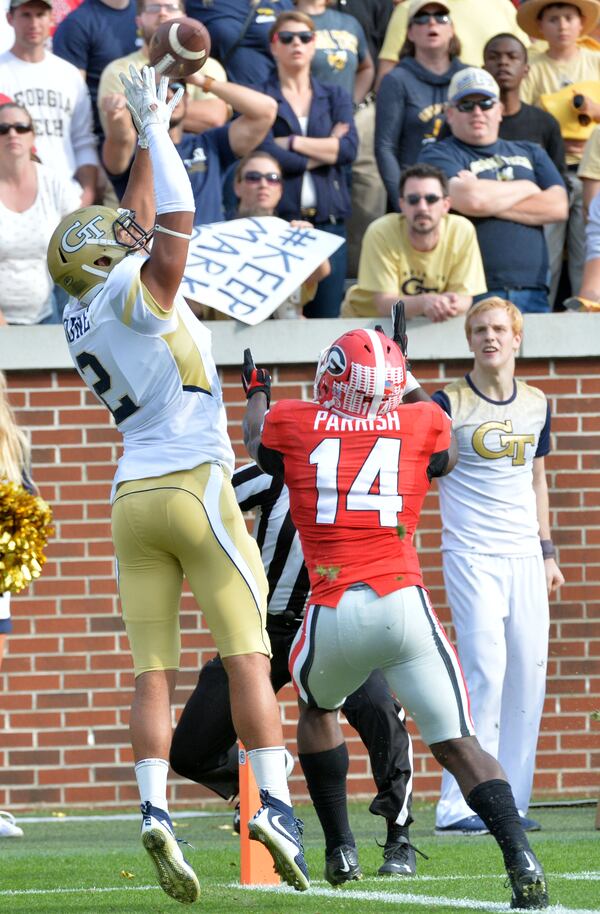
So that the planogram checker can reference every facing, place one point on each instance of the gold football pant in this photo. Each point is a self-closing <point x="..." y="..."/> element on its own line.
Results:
<point x="187" y="523"/>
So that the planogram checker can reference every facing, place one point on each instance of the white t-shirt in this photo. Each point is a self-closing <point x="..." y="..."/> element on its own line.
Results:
<point x="25" y="284"/>
<point x="308" y="194"/>
<point x="156" y="373"/>
<point x="55" y="94"/>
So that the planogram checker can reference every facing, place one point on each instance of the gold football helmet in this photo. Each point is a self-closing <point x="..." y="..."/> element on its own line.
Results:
<point x="88" y="243"/>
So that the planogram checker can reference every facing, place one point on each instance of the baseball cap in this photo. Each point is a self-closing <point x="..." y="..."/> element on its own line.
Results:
<point x="16" y="3"/>
<point x="472" y="81"/>
<point x="417" y="5"/>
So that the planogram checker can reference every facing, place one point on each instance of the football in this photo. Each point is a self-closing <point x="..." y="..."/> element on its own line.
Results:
<point x="179" y="47"/>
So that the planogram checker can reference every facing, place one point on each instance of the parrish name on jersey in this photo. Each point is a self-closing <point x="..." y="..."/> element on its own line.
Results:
<point x="327" y="421"/>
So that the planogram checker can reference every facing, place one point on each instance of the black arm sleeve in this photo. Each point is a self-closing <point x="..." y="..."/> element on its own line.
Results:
<point x="437" y="464"/>
<point x="271" y="461"/>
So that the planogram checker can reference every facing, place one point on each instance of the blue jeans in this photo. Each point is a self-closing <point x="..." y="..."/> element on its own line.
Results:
<point x="529" y="301"/>
<point x="328" y="300"/>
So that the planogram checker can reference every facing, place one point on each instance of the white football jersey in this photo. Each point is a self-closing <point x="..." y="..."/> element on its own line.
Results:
<point x="487" y="501"/>
<point x="154" y="371"/>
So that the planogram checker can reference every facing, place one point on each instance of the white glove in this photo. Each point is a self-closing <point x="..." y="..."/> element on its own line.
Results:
<point x="147" y="104"/>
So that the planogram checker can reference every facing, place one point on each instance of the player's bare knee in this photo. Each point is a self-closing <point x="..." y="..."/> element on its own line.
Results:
<point x="152" y="685"/>
<point x="453" y="752"/>
<point x="318" y="730"/>
<point x="244" y="665"/>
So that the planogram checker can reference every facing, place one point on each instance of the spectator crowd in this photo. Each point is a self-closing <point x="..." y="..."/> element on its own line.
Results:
<point x="455" y="155"/>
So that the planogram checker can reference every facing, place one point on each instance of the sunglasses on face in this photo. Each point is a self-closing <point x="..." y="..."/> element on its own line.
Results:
<point x="415" y="199"/>
<point x="425" y="18"/>
<point x="484" y="104"/>
<point x="288" y="37"/>
<point x="18" y="128"/>
<point x="175" y="86"/>
<point x="255" y="177"/>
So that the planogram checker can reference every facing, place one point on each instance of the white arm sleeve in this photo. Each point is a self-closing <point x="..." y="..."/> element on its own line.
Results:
<point x="172" y="188"/>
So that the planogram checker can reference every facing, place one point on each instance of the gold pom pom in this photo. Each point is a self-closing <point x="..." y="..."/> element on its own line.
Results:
<point x="25" y="522"/>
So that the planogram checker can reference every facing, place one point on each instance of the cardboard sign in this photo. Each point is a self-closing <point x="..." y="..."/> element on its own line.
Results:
<point x="247" y="267"/>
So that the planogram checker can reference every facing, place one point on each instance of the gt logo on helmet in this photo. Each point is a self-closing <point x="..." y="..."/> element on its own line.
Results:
<point x="336" y="361"/>
<point x="87" y="233"/>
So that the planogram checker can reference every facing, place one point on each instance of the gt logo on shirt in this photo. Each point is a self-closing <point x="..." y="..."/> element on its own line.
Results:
<point x="511" y="445"/>
<point x="87" y="232"/>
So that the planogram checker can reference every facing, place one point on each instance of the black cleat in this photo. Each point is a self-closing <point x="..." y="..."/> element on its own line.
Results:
<point x="399" y="859"/>
<point x="342" y="865"/>
<point x="528" y="882"/>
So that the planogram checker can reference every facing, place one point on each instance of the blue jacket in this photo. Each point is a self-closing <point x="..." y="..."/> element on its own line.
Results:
<point x="330" y="105"/>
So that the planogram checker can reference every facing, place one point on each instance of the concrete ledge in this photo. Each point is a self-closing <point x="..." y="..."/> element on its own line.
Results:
<point x="568" y="335"/>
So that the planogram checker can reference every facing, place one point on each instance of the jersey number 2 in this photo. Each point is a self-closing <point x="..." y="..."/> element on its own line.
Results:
<point x="381" y="464"/>
<point x="122" y="408"/>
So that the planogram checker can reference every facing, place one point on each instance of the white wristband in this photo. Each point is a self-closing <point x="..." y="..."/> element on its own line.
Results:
<point x="411" y="383"/>
<point x="172" y="188"/>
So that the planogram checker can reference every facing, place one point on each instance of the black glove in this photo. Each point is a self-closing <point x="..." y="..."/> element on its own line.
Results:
<point x="255" y="380"/>
<point x="399" y="326"/>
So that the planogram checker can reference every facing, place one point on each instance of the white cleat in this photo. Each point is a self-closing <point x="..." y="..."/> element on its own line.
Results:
<point x="8" y="826"/>
<point x="274" y="826"/>
<point x="175" y="875"/>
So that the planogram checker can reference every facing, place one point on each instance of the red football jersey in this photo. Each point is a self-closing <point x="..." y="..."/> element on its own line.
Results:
<point x="356" y="490"/>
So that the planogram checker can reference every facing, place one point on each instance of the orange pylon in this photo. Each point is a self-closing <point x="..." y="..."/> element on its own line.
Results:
<point x="256" y="863"/>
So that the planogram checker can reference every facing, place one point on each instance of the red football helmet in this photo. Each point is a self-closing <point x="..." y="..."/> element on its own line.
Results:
<point x="363" y="373"/>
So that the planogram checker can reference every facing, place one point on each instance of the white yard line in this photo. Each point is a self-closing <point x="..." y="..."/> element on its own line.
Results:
<point x="409" y="898"/>
<point x="399" y="898"/>
<point x="91" y="891"/>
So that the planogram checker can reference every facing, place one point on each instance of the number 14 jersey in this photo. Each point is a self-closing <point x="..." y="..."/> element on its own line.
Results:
<point x="356" y="490"/>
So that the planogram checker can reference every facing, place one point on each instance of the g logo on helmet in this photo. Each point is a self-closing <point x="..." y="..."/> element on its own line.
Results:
<point x="86" y="233"/>
<point x="336" y="361"/>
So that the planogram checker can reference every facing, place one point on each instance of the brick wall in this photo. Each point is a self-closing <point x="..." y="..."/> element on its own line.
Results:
<point x="66" y="680"/>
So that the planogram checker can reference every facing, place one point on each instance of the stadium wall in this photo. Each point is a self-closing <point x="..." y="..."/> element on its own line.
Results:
<point x="66" y="680"/>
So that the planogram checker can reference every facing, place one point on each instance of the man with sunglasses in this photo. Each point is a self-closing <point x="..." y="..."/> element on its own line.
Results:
<point x="424" y="256"/>
<point x="510" y="189"/>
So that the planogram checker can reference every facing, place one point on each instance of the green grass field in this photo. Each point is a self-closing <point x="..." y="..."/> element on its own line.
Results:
<point x="98" y="866"/>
